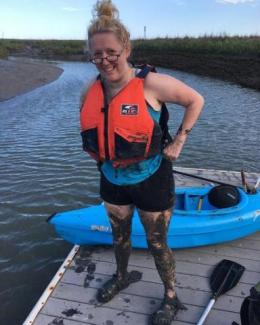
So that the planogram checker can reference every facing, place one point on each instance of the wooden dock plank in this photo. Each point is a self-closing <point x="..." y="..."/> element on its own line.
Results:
<point x="255" y="237"/>
<point x="55" y="320"/>
<point x="92" y="313"/>
<point x="249" y="243"/>
<point x="150" y="276"/>
<point x="153" y="292"/>
<point x="187" y="262"/>
<point x="137" y="307"/>
<point x="234" y="252"/>
<point x="201" y="256"/>
<point x="73" y="300"/>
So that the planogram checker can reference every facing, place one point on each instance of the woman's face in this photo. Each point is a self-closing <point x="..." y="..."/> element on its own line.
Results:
<point x="106" y="44"/>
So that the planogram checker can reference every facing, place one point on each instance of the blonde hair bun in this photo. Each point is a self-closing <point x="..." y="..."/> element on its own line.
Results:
<point x="105" y="8"/>
<point x="106" y="19"/>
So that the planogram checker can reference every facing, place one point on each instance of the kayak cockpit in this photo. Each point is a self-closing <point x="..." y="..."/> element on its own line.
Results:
<point x="196" y="200"/>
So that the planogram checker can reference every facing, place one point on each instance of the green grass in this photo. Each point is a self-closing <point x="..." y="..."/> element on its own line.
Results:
<point x="44" y="48"/>
<point x="3" y="52"/>
<point x="222" y="45"/>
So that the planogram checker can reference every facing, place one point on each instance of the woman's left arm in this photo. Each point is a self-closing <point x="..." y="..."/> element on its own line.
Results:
<point x="168" y="89"/>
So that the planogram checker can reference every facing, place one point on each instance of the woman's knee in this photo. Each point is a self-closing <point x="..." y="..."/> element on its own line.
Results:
<point x="121" y="230"/>
<point x="120" y="218"/>
<point x="119" y="212"/>
<point x="156" y="242"/>
<point x="156" y="227"/>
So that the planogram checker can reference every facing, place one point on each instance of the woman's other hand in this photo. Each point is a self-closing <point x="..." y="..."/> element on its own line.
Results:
<point x="173" y="150"/>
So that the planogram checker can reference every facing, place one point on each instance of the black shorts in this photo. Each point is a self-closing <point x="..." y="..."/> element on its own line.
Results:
<point x="154" y="194"/>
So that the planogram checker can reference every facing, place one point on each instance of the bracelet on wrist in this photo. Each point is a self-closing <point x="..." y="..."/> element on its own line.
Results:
<point x="179" y="141"/>
<point x="182" y="131"/>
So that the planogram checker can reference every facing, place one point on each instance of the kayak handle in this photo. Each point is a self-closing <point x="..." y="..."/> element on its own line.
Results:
<point x="257" y="183"/>
<point x="206" y="311"/>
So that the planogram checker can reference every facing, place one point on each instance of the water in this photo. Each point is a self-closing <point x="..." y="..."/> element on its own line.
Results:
<point x="43" y="169"/>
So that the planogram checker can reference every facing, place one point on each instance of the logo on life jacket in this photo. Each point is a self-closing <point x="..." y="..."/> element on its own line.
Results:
<point x="128" y="109"/>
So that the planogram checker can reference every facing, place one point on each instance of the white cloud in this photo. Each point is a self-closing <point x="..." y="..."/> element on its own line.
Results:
<point x="234" y="2"/>
<point x="71" y="9"/>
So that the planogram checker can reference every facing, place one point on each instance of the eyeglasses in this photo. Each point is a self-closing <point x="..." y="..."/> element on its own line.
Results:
<point x="112" y="58"/>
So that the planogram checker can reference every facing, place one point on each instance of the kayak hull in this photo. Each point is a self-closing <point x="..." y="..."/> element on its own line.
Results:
<point x="189" y="227"/>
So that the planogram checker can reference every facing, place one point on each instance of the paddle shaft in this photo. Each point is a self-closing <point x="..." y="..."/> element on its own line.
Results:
<point x="203" y="178"/>
<point x="206" y="311"/>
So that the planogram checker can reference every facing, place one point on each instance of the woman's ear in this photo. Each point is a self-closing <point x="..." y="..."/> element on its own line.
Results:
<point x="128" y="50"/>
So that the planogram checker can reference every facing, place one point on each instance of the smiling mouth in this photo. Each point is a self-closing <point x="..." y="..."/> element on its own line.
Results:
<point x="108" y="70"/>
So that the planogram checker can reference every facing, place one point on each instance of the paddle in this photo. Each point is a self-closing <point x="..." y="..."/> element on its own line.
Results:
<point x="248" y="189"/>
<point x="200" y="177"/>
<point x="224" y="277"/>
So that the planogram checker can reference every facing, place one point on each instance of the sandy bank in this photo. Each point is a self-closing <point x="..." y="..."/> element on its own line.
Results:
<point x="18" y="77"/>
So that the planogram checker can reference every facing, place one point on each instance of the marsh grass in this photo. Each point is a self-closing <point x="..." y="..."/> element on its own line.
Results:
<point x="235" y="46"/>
<point x="43" y="48"/>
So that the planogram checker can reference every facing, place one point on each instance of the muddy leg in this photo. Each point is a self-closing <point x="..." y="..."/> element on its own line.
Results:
<point x="156" y="228"/>
<point x="120" y="218"/>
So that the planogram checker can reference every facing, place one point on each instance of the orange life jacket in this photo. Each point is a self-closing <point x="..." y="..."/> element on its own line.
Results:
<point x="123" y="130"/>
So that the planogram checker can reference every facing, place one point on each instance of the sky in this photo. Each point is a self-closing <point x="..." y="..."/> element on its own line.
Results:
<point x="68" y="19"/>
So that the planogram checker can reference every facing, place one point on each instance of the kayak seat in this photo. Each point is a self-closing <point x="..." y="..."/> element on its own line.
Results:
<point x="197" y="202"/>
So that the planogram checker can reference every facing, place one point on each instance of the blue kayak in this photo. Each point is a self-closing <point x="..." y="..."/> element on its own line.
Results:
<point x="195" y="222"/>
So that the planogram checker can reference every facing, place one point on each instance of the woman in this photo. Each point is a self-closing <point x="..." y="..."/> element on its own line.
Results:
<point x="120" y="116"/>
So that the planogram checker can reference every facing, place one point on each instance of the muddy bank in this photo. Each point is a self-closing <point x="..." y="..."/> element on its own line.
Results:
<point x="244" y="71"/>
<point x="18" y="77"/>
<point x="241" y="70"/>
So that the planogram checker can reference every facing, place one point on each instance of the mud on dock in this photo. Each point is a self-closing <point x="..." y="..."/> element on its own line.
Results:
<point x="70" y="297"/>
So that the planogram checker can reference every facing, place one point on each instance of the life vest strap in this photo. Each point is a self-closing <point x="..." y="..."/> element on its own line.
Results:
<point x="145" y="69"/>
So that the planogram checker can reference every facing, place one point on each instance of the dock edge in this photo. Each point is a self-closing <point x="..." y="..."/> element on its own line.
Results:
<point x="51" y="286"/>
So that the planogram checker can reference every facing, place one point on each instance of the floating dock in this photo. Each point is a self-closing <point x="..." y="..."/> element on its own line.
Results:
<point x="70" y="297"/>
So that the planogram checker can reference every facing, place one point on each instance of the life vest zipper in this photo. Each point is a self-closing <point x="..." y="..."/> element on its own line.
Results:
<point x="105" y="111"/>
<point x="106" y="132"/>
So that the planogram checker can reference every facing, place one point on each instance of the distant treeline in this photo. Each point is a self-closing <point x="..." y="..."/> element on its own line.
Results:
<point x="236" y="58"/>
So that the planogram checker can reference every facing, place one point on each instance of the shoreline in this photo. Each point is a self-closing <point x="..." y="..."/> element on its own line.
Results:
<point x="234" y="59"/>
<point x="242" y="71"/>
<point x="23" y="75"/>
<point x="20" y="77"/>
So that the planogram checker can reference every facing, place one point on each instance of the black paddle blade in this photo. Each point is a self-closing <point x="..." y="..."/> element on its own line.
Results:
<point x="225" y="277"/>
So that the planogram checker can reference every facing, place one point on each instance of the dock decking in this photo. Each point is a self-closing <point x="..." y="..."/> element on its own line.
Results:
<point x="72" y="299"/>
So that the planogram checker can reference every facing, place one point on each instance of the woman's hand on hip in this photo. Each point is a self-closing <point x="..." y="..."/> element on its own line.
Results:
<point x="173" y="150"/>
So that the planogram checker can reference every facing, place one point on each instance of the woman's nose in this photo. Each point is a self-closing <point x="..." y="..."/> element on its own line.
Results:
<point x="105" y="61"/>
